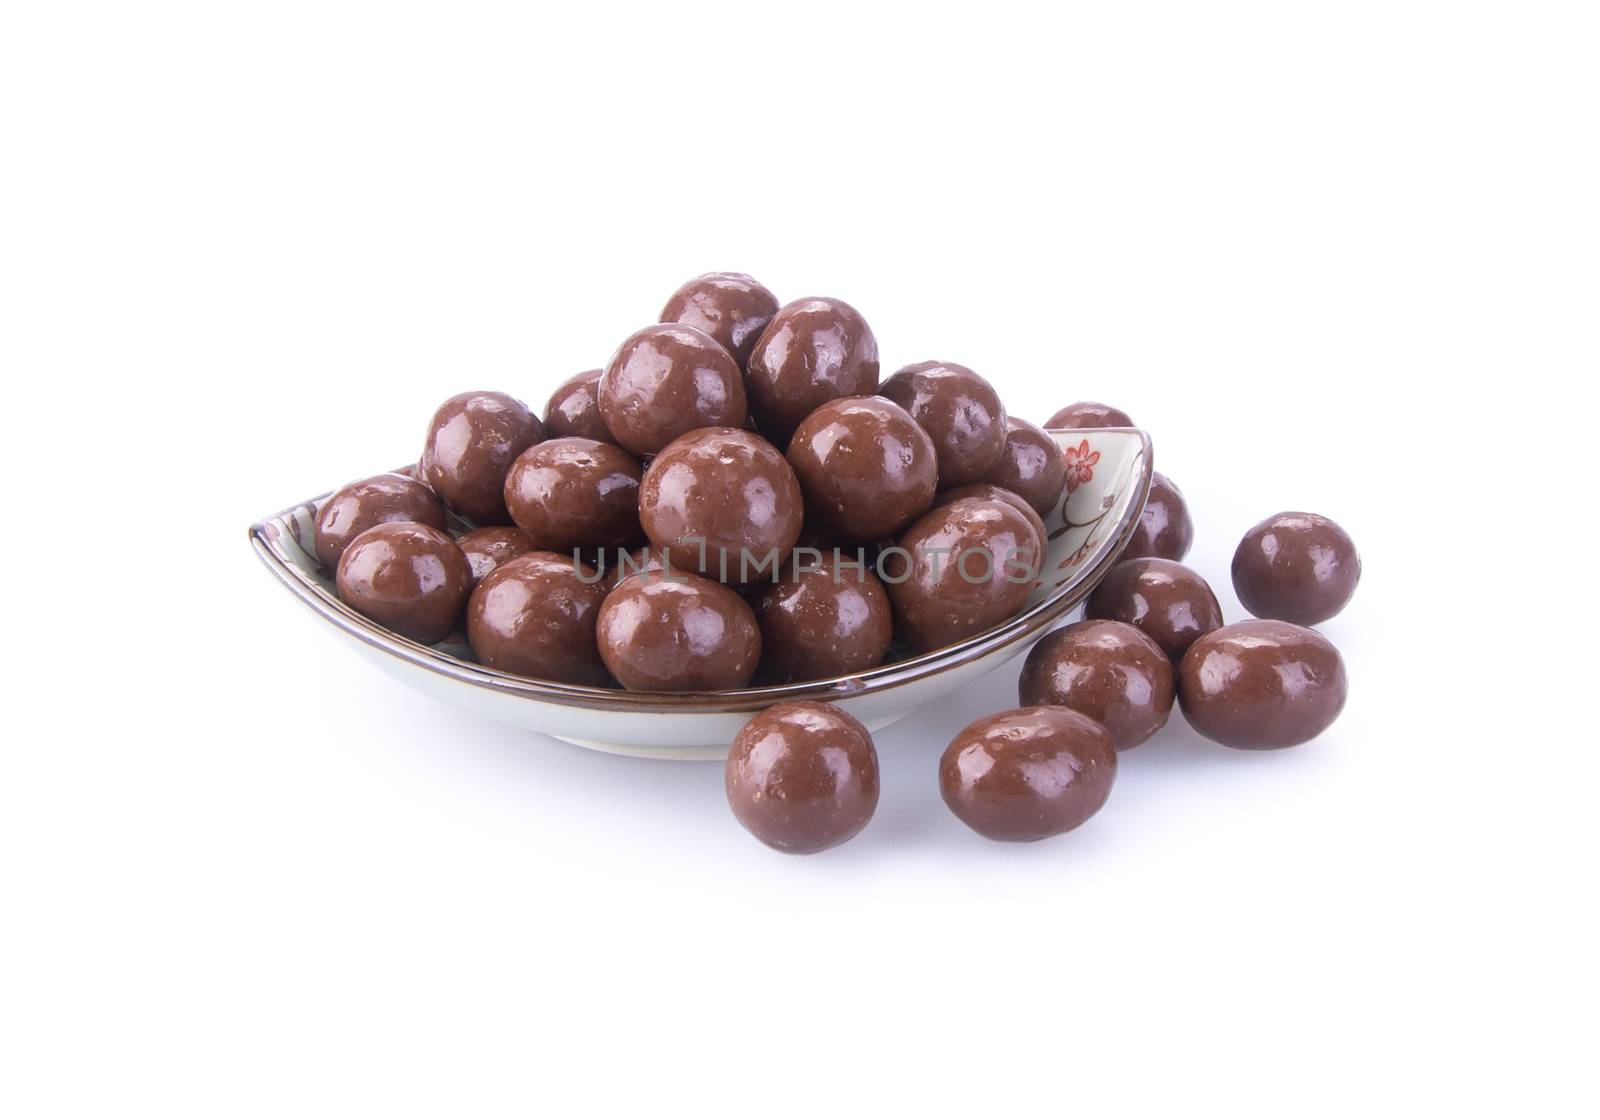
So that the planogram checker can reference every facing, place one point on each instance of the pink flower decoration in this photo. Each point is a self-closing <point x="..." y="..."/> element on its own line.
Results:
<point x="1080" y="465"/>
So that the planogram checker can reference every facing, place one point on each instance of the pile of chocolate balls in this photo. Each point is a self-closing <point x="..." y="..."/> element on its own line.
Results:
<point x="736" y="498"/>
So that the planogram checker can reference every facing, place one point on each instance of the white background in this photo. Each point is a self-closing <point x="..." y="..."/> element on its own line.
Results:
<point x="1335" y="257"/>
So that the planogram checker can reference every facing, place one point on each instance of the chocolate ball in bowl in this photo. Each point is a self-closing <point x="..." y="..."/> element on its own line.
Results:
<point x="815" y="350"/>
<point x="683" y="634"/>
<point x="1031" y="465"/>
<point x="991" y="492"/>
<point x="472" y="441"/>
<point x="355" y="508"/>
<point x="575" y="493"/>
<point x="866" y="467"/>
<point x="1261" y="684"/>
<point x="724" y="501"/>
<point x="1164" y="528"/>
<point x="535" y="616"/>
<point x="406" y="577"/>
<point x="487" y="548"/>
<point x="802" y="777"/>
<point x="1090" y="414"/>
<point x="1108" y="671"/>
<point x="574" y="409"/>
<point x="1299" y="567"/>
<point x="959" y="410"/>
<point x="1170" y="603"/>
<point x="666" y="380"/>
<point x="731" y="307"/>
<point x="828" y="620"/>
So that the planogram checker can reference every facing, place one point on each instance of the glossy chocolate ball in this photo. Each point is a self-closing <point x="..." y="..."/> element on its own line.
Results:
<point x="960" y="569"/>
<point x="729" y="306"/>
<point x="1090" y="414"/>
<point x="406" y="577"/>
<point x="1109" y="671"/>
<point x="866" y="467"/>
<point x="802" y="777"/>
<point x="535" y="616"/>
<point x="486" y="549"/>
<point x="723" y="500"/>
<point x="828" y="620"/>
<point x="1298" y="567"/>
<point x="814" y="351"/>
<point x="1028" y="773"/>
<point x="960" y="411"/>
<point x="1164" y="528"/>
<point x="667" y="380"/>
<point x="683" y="634"/>
<point x="1169" y="602"/>
<point x="575" y="493"/>
<point x="574" y="409"/>
<point x="1031" y="465"/>
<point x="991" y="492"/>
<point x="472" y="441"/>
<point x="1261" y="684"/>
<point x="351" y="511"/>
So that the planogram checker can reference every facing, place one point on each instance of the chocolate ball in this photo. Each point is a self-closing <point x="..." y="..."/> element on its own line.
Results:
<point x="574" y="409"/>
<point x="960" y="569"/>
<point x="802" y="777"/>
<point x="991" y="492"/>
<point x="667" y="380"/>
<point x="1298" y="567"/>
<point x="828" y="620"/>
<point x="959" y="410"/>
<point x="814" y="351"/>
<point x="575" y="493"/>
<point x="486" y="549"/>
<point x="1109" y="671"/>
<point x="1028" y="773"/>
<point x="1031" y="465"/>
<point x="725" y="502"/>
<point x="866" y="467"/>
<point x="1169" y="602"/>
<point x="1164" y="527"/>
<point x="729" y="306"/>
<point x="1261" y="684"/>
<point x="683" y="634"/>
<point x="406" y="577"/>
<point x="1090" y="414"/>
<point x="351" y="511"/>
<point x="535" y="616"/>
<point x="472" y="441"/>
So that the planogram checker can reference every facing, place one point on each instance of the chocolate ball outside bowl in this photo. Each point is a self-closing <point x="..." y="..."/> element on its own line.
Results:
<point x="408" y="578"/>
<point x="867" y="469"/>
<point x="731" y="307"/>
<point x="535" y="616"/>
<point x="1031" y="466"/>
<point x="666" y="380"/>
<point x="961" y="413"/>
<point x="575" y="493"/>
<point x="683" y="634"/>
<point x="472" y="441"/>
<point x="1168" y="601"/>
<point x="574" y="409"/>
<point x="1298" y="567"/>
<point x="815" y="350"/>
<point x="1090" y="414"/>
<point x="802" y="777"/>
<point x="1164" y="528"/>
<point x="353" y="509"/>
<point x="1261" y="684"/>
<point x="1108" y="671"/>
<point x="831" y="620"/>
<point x="487" y="548"/>
<point x="1028" y="773"/>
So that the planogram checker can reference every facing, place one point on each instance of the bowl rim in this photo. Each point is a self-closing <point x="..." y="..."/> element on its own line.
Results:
<point x="833" y="689"/>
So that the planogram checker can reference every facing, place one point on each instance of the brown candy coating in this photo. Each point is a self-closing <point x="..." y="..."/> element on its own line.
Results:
<point x="831" y="620"/>
<point x="802" y="777"/>
<point x="487" y="548"/>
<point x="1169" y="602"/>
<point x="355" y="508"/>
<point x="1261" y="684"/>
<point x="686" y="634"/>
<point x="866" y="467"/>
<point x="1164" y="528"/>
<point x="666" y="380"/>
<point x="814" y="351"/>
<point x="1109" y="671"/>
<point x="960" y="411"/>
<point x="574" y="409"/>
<point x="995" y="493"/>
<point x="575" y="493"/>
<point x="535" y="615"/>
<point x="1028" y="773"/>
<point x="971" y="565"/>
<point x="1031" y="465"/>
<point x="1090" y="414"/>
<point x="1298" y="567"/>
<point x="718" y="497"/>
<point x="406" y="577"/>
<point x="729" y="306"/>
<point x="472" y="441"/>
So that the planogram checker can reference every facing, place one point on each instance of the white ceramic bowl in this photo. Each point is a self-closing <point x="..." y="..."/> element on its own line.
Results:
<point x="1108" y="480"/>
